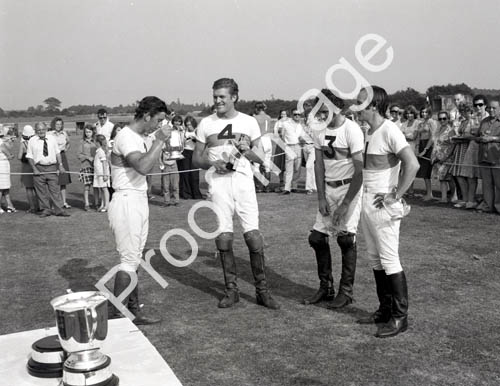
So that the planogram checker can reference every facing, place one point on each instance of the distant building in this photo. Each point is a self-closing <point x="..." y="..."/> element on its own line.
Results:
<point x="447" y="102"/>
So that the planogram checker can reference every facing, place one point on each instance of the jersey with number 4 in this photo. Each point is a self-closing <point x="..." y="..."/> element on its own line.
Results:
<point x="221" y="137"/>
<point x="338" y="144"/>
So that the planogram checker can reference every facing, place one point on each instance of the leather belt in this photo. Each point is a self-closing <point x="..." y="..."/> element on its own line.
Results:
<point x="336" y="184"/>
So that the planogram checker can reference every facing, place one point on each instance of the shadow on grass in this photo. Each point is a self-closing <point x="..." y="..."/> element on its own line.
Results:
<point x="278" y="284"/>
<point x="191" y="278"/>
<point x="79" y="276"/>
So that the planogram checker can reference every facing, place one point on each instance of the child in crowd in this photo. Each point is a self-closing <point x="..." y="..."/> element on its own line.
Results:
<point x="172" y="151"/>
<point x="6" y="144"/>
<point x="27" y="179"/>
<point x="102" y="171"/>
<point x="86" y="156"/>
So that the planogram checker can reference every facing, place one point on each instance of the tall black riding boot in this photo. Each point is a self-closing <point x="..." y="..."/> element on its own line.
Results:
<point x="255" y="244"/>
<point x="399" y="320"/>
<point x="347" y="244"/>
<point x="319" y="242"/>
<point x="122" y="281"/>
<point x="229" y="268"/>
<point x="135" y="308"/>
<point x="384" y="294"/>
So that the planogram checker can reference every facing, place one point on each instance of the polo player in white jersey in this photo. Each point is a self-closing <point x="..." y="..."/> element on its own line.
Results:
<point x="386" y="150"/>
<point x="128" y="210"/>
<point x="227" y="141"/>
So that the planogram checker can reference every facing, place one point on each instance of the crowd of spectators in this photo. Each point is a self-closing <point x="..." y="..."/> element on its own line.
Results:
<point x="459" y="148"/>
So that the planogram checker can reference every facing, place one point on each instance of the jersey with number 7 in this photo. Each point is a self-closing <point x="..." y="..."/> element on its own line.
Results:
<point x="221" y="135"/>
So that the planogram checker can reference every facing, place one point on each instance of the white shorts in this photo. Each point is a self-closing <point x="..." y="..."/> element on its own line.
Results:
<point x="381" y="233"/>
<point x="349" y="223"/>
<point x="128" y="216"/>
<point x="235" y="192"/>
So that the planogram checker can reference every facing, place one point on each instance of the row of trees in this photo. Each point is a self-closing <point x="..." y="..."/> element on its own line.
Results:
<point x="403" y="97"/>
<point x="53" y="107"/>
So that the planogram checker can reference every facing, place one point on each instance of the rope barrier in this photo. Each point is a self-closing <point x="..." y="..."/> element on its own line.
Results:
<point x="98" y="175"/>
<point x="457" y="164"/>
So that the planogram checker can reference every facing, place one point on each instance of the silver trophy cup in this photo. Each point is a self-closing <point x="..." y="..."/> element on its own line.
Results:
<point x="82" y="326"/>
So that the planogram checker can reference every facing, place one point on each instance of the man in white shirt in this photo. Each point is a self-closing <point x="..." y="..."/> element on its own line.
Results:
<point x="311" y="124"/>
<point x="128" y="210"/>
<point x="386" y="150"/>
<point x="103" y="125"/>
<point x="43" y="155"/>
<point x="339" y="176"/>
<point x="292" y="133"/>
<point x="227" y="141"/>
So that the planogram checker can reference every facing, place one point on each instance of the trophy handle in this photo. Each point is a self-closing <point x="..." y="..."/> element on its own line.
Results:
<point x="94" y="323"/>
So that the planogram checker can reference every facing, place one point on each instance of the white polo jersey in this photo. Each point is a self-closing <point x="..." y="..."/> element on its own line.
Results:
<point x="221" y="136"/>
<point x="338" y="144"/>
<point x="381" y="165"/>
<point x="123" y="175"/>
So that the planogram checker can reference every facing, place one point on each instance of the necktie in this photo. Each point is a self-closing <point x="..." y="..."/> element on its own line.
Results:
<point x="45" y="148"/>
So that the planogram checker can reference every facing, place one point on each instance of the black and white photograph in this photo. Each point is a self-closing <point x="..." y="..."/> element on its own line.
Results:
<point x="249" y="193"/>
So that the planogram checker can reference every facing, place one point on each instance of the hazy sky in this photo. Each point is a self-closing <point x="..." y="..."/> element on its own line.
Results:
<point x="112" y="51"/>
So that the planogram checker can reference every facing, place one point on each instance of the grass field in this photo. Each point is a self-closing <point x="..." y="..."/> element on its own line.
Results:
<point x="451" y="257"/>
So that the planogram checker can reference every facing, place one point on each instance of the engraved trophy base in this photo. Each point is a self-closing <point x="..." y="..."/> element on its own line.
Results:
<point x="88" y="368"/>
<point x="47" y="358"/>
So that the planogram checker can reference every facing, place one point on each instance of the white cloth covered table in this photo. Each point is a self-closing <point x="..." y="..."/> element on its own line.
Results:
<point x="133" y="358"/>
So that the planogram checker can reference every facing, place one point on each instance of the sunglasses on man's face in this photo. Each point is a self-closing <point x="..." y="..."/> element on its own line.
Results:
<point x="296" y="115"/>
<point x="101" y="117"/>
<point x="478" y="104"/>
<point x="443" y="119"/>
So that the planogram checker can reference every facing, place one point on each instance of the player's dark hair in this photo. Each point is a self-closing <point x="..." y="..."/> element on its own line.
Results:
<point x="228" y="83"/>
<point x="150" y="105"/>
<point x="191" y="119"/>
<point x="478" y="97"/>
<point x="339" y="102"/>
<point x="101" y="111"/>
<point x="380" y="99"/>
<point x="91" y="128"/>
<point x="100" y="139"/>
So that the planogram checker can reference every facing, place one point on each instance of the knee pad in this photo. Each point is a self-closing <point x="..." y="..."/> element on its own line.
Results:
<point x="318" y="239"/>
<point x="346" y="240"/>
<point x="254" y="240"/>
<point x="224" y="242"/>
